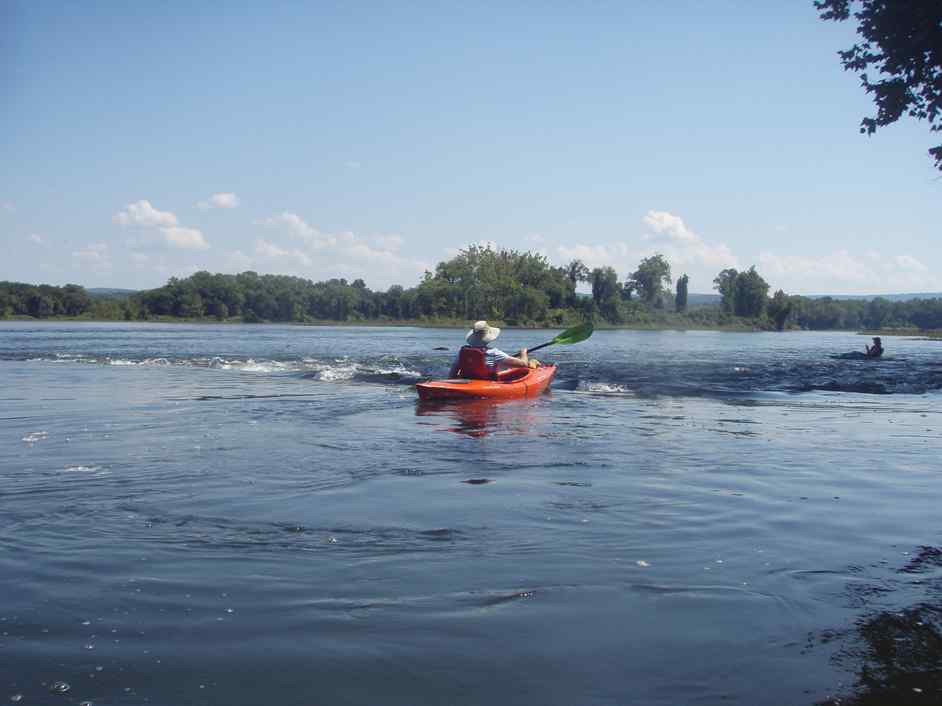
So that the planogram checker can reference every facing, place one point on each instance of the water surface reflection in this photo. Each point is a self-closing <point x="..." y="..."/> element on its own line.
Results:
<point x="894" y="651"/>
<point x="478" y="418"/>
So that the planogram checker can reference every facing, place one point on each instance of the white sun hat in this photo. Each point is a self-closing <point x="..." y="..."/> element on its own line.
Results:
<point x="482" y="334"/>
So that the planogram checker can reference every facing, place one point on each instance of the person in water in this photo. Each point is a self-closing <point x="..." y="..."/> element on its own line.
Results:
<point x="494" y="359"/>
<point x="876" y="350"/>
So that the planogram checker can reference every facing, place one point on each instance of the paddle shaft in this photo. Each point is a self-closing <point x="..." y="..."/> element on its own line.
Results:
<point x="542" y="345"/>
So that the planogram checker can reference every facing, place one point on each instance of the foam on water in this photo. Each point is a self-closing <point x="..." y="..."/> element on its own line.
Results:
<point x="261" y="366"/>
<point x="334" y="370"/>
<point x="608" y="388"/>
<point x="687" y="370"/>
<point x="335" y="373"/>
<point x="86" y="471"/>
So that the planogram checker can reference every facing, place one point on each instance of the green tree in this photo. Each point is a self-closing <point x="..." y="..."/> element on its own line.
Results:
<point x="393" y="303"/>
<point x="751" y="294"/>
<point x="821" y="314"/>
<point x="680" y="301"/>
<point x="902" y="41"/>
<point x="576" y="271"/>
<point x="927" y="313"/>
<point x="484" y="283"/>
<point x="75" y="300"/>
<point x="779" y="308"/>
<point x="190" y="304"/>
<point x="40" y="305"/>
<point x="527" y="304"/>
<point x="605" y="292"/>
<point x="220" y="310"/>
<point x="725" y="284"/>
<point x="878" y="312"/>
<point x="650" y="278"/>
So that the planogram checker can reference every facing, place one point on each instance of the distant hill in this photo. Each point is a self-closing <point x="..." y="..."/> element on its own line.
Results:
<point x="715" y="298"/>
<point x="888" y="297"/>
<point x="109" y="292"/>
<point x="694" y="298"/>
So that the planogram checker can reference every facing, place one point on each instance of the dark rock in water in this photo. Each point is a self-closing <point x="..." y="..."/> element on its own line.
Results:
<point x="869" y="388"/>
<point x="439" y="533"/>
<point x="927" y="559"/>
<point x="477" y="481"/>
<point x="440" y="348"/>
<point x="853" y="355"/>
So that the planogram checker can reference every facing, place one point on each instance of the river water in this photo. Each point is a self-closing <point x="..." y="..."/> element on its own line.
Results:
<point x="265" y="514"/>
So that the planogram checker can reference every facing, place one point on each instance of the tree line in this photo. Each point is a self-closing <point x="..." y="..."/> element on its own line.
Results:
<point x="508" y="286"/>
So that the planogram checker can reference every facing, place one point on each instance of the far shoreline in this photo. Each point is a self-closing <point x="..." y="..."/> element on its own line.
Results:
<point x="377" y="323"/>
<point x="449" y="324"/>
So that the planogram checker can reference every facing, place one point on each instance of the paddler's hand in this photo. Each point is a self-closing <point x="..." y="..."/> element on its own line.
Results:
<point x="534" y="363"/>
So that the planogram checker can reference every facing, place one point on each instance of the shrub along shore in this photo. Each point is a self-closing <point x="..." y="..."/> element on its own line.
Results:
<point x="506" y="287"/>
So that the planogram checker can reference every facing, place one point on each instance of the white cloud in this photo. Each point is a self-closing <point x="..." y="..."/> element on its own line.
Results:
<point x="141" y="213"/>
<point x="388" y="242"/>
<point x="184" y="238"/>
<point x="35" y="238"/>
<point x="225" y="199"/>
<point x="671" y="227"/>
<point x="158" y="226"/>
<point x="664" y="233"/>
<point x="682" y="246"/>
<point x="237" y="261"/>
<point x="8" y="206"/>
<point x="840" y="272"/>
<point x="377" y="260"/>
<point x="270" y="251"/>
<point x="597" y="255"/>
<point x="139" y="258"/>
<point x="94" y="256"/>
<point x="92" y="252"/>
<point x="907" y="263"/>
<point x="294" y="224"/>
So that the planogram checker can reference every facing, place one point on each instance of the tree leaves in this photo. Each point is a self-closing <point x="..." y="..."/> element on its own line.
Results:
<point x="902" y="40"/>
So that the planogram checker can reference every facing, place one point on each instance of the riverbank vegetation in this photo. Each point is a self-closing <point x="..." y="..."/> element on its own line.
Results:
<point x="503" y="286"/>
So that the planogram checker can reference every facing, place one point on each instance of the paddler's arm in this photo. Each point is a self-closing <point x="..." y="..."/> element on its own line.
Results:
<point x="521" y="360"/>
<point x="454" y="367"/>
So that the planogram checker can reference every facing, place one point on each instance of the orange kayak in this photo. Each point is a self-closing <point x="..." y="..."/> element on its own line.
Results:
<point x="515" y="385"/>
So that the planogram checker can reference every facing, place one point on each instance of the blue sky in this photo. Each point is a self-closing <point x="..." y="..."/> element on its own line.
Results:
<point x="141" y="142"/>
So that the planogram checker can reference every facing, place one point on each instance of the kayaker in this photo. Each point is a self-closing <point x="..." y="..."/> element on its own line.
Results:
<point x="477" y="359"/>
<point x="876" y="350"/>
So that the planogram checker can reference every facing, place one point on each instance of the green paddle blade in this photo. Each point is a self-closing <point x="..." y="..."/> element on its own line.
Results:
<point x="575" y="334"/>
